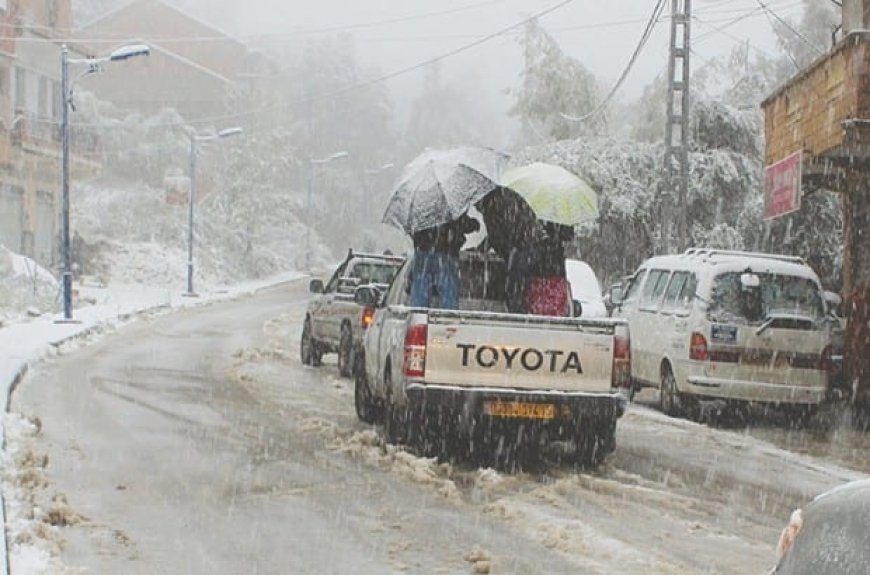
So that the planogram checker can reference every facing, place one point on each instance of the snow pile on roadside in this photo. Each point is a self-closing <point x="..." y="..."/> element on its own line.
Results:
<point x="24" y="285"/>
<point x="426" y="471"/>
<point x="32" y="521"/>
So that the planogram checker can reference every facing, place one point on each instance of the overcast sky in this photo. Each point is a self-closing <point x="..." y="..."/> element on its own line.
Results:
<point x="600" y="33"/>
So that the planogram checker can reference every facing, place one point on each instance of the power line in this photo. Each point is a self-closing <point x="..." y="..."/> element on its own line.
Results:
<point x="654" y="17"/>
<point x="789" y="26"/>
<point x="367" y="83"/>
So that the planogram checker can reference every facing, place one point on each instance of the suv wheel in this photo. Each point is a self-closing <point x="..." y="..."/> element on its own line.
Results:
<point x="345" y="352"/>
<point x="668" y="399"/>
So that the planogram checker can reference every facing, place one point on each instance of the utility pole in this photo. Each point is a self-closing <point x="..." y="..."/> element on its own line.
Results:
<point x="677" y="129"/>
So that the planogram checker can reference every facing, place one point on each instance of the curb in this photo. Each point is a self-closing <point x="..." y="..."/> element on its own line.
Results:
<point x="21" y="372"/>
<point x="4" y="548"/>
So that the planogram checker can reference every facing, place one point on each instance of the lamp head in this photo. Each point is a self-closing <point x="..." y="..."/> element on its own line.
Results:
<point x="129" y="51"/>
<point x="229" y="132"/>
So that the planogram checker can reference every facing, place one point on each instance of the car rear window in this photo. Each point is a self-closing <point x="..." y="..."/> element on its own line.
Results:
<point x="373" y="272"/>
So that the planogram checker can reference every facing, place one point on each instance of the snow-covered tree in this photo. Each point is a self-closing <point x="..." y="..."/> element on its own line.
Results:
<point x="804" y="41"/>
<point x="554" y="85"/>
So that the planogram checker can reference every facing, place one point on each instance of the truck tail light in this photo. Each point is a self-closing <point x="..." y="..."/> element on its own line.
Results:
<point x="698" y="347"/>
<point x="414" y="364"/>
<point x="368" y="314"/>
<point x="621" y="371"/>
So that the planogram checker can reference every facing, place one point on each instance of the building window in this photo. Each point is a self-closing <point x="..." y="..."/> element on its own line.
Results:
<point x="44" y="95"/>
<point x="51" y="10"/>
<point x="20" y="89"/>
<point x="55" y="99"/>
<point x="4" y="81"/>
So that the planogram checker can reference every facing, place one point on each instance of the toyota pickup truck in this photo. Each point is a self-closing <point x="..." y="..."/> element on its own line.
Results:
<point x="334" y="322"/>
<point x="434" y="375"/>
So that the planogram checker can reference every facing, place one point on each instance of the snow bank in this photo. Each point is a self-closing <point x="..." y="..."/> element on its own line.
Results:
<point x="24" y="285"/>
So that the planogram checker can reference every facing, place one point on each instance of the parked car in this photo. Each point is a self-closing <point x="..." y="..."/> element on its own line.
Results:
<point x="334" y="322"/>
<point x="738" y="326"/>
<point x="481" y="371"/>
<point x="585" y="289"/>
<point x="831" y="535"/>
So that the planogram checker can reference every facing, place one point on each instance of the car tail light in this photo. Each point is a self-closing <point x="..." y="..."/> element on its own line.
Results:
<point x="414" y="364"/>
<point x="826" y="359"/>
<point x="368" y="314"/>
<point x="621" y="370"/>
<point x="698" y="347"/>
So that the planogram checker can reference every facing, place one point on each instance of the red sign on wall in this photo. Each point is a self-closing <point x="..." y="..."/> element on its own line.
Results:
<point x="782" y="194"/>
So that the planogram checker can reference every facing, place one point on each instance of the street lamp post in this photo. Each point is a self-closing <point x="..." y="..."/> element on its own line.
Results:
<point x="372" y="172"/>
<point x="194" y="139"/>
<point x="94" y="65"/>
<point x="311" y="163"/>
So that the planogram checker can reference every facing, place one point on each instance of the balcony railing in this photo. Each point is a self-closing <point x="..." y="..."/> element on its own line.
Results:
<point x="43" y="135"/>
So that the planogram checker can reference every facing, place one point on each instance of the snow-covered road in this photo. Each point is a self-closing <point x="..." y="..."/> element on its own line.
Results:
<point x="198" y="443"/>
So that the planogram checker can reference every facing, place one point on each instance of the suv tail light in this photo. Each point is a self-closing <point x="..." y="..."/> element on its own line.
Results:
<point x="698" y="347"/>
<point x="826" y="359"/>
<point x="621" y="370"/>
<point x="368" y="314"/>
<point x="414" y="364"/>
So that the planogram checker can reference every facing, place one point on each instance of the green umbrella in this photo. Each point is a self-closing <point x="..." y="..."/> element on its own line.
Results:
<point x="554" y="193"/>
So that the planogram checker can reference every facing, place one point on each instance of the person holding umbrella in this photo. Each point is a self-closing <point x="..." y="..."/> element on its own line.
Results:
<point x="558" y="200"/>
<point x="430" y="203"/>
<point x="436" y="262"/>
<point x="514" y="233"/>
<point x="549" y="292"/>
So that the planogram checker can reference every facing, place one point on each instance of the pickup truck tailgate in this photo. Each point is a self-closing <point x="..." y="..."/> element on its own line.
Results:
<point x="497" y="350"/>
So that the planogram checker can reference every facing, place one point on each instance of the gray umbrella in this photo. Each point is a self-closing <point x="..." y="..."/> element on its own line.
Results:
<point x="440" y="185"/>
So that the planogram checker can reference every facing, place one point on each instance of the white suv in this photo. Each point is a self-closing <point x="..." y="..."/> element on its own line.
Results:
<point x="728" y="325"/>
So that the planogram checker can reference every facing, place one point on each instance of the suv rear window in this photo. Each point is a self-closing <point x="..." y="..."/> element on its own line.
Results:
<point x="779" y="293"/>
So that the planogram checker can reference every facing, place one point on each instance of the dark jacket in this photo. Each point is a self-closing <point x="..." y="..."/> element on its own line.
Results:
<point x="447" y="238"/>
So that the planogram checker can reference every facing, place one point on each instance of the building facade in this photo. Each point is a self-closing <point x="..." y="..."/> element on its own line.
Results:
<point x="30" y="111"/>
<point x="194" y="68"/>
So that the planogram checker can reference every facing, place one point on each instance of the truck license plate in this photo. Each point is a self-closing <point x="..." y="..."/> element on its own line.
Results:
<point x="520" y="410"/>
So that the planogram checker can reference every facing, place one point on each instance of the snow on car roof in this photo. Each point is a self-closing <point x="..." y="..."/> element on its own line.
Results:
<point x="734" y="260"/>
<point x="583" y="280"/>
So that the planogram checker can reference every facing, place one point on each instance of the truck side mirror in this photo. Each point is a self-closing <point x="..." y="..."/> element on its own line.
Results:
<point x="577" y="308"/>
<point x="367" y="296"/>
<point x="315" y="286"/>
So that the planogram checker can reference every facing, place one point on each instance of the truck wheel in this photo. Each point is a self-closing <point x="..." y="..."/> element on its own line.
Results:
<point x="309" y="351"/>
<point x="345" y="352"/>
<point x="594" y="442"/>
<point x="368" y="408"/>
<point x="395" y="417"/>
<point x="668" y="399"/>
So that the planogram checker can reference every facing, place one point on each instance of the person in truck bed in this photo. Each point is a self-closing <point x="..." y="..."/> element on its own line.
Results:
<point x="436" y="262"/>
<point x="549" y="292"/>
